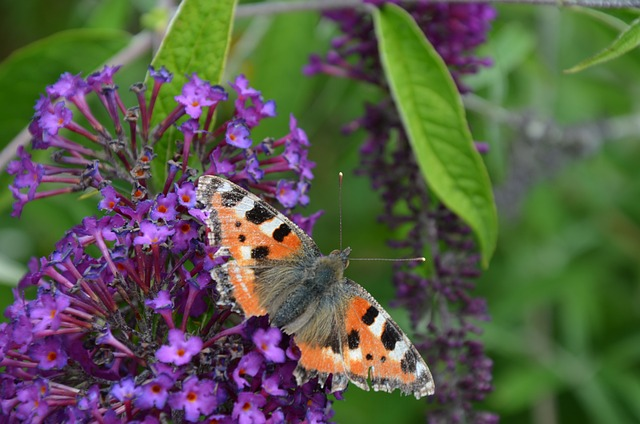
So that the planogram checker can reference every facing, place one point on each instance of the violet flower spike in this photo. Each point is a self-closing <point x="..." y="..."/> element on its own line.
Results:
<point x="461" y="369"/>
<point x="125" y="324"/>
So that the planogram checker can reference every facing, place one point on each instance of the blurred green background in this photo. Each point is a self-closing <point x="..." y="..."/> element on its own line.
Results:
<point x="563" y="288"/>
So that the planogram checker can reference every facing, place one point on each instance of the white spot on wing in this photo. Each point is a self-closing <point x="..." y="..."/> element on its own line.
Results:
<point x="225" y="187"/>
<point x="270" y="226"/>
<point x="245" y="252"/>
<point x="243" y="206"/>
<point x="355" y="355"/>
<point x="328" y="353"/>
<point x="378" y="325"/>
<point x="399" y="350"/>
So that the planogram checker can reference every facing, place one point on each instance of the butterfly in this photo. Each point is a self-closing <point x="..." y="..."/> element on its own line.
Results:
<point x="277" y="269"/>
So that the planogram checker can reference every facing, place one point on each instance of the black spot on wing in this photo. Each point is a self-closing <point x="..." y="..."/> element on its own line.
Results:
<point x="369" y="356"/>
<point x="390" y="336"/>
<point x="281" y="232"/>
<point x="408" y="362"/>
<point x="259" y="214"/>
<point x="370" y="316"/>
<point x="260" y="252"/>
<point x="334" y="343"/>
<point x="242" y="238"/>
<point x="238" y="224"/>
<point x="383" y="359"/>
<point x="353" y="339"/>
<point x="231" y="198"/>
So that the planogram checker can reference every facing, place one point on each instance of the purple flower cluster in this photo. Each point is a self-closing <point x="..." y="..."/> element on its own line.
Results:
<point x="455" y="30"/>
<point x="441" y="306"/>
<point x="122" y="323"/>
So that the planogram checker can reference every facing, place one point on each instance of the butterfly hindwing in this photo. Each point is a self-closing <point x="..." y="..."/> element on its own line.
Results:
<point x="377" y="348"/>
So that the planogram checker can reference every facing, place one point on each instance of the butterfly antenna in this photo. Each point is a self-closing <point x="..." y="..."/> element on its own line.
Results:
<point x="419" y="259"/>
<point x="340" y="206"/>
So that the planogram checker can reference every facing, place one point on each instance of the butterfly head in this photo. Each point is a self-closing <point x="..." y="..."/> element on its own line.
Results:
<point x="343" y="255"/>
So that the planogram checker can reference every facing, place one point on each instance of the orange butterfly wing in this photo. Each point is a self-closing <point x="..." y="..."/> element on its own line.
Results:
<point x="377" y="348"/>
<point x="250" y="231"/>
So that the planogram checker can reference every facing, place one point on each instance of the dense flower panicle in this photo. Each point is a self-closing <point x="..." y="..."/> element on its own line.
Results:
<point x="441" y="306"/>
<point x="124" y="325"/>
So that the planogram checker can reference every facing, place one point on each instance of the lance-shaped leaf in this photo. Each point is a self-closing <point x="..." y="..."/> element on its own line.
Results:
<point x="434" y="119"/>
<point x="197" y="40"/>
<point x="627" y="40"/>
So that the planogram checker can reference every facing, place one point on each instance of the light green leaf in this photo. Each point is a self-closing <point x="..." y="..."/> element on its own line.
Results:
<point x="197" y="40"/>
<point x="434" y="119"/>
<point x="626" y="41"/>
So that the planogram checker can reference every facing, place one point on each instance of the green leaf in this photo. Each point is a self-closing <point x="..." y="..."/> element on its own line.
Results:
<point x="626" y="41"/>
<point x="197" y="40"/>
<point x="26" y="73"/>
<point x="434" y="119"/>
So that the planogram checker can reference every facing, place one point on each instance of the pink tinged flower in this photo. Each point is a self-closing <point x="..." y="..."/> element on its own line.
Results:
<point x="252" y="168"/>
<point x="315" y="416"/>
<point x="197" y="94"/>
<point x="110" y="198"/>
<point x="268" y="110"/>
<point x="276" y="417"/>
<point x="302" y="188"/>
<point x="103" y="77"/>
<point x="197" y="397"/>
<point x="246" y="410"/>
<point x="27" y="173"/>
<point x="154" y="393"/>
<point x="222" y="419"/>
<point x="297" y="134"/>
<point x="267" y="342"/>
<point x="241" y="85"/>
<point x="52" y="120"/>
<point x="161" y="301"/>
<point x="186" y="231"/>
<point x="179" y="351"/>
<point x="32" y="404"/>
<point x="68" y="86"/>
<point x="221" y="166"/>
<point x="249" y="365"/>
<point x="124" y="390"/>
<point x="47" y="312"/>
<point x="49" y="354"/>
<point x="238" y="135"/>
<point x="186" y="195"/>
<point x="162" y="75"/>
<point x="286" y="193"/>
<point x="152" y="233"/>
<point x="165" y="207"/>
<point x="271" y="385"/>
<point x="306" y="222"/>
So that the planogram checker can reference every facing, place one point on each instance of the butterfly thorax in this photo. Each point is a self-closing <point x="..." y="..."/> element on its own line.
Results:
<point x="308" y="292"/>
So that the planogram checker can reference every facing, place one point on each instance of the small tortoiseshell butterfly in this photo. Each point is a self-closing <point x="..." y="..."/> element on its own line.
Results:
<point x="277" y="269"/>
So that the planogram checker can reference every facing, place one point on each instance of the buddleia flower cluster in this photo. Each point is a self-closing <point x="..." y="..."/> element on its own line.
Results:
<point x="442" y="308"/>
<point x="120" y="323"/>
